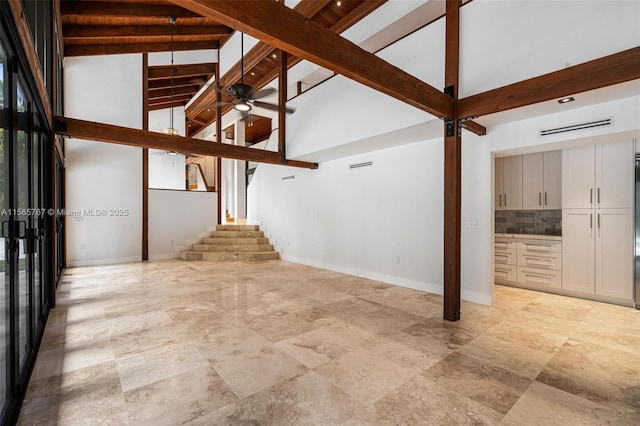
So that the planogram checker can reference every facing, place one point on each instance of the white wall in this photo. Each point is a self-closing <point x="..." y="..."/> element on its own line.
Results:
<point x="166" y="171"/>
<point x="383" y="221"/>
<point x="503" y="42"/>
<point x="101" y="175"/>
<point x="178" y="219"/>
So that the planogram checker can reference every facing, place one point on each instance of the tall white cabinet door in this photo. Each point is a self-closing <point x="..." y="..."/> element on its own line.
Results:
<point x="614" y="253"/>
<point x="512" y="199"/>
<point x="578" y="178"/>
<point x="615" y="174"/>
<point x="499" y="183"/>
<point x="578" y="252"/>
<point x="532" y="181"/>
<point x="552" y="192"/>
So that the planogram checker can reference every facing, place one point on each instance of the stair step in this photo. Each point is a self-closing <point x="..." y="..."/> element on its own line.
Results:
<point x="222" y="256"/>
<point x="237" y="228"/>
<point x="235" y="241"/>
<point x="232" y="248"/>
<point x="237" y="234"/>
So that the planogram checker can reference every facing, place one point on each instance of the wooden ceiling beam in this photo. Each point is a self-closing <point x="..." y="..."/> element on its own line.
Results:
<point x="283" y="28"/>
<point x="177" y="82"/>
<point x="100" y="132"/>
<point x="83" y="32"/>
<point x="166" y="92"/>
<point x="474" y="127"/>
<point x="190" y="70"/>
<point x="114" y="49"/>
<point x="178" y="101"/>
<point x="103" y="8"/>
<point x="609" y="70"/>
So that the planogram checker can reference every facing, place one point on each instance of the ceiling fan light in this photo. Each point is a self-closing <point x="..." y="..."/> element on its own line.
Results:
<point x="242" y="106"/>
<point x="171" y="131"/>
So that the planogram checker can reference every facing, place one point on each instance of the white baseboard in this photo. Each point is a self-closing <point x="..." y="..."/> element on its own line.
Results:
<point x="163" y="256"/>
<point x="435" y="288"/>
<point x="98" y="262"/>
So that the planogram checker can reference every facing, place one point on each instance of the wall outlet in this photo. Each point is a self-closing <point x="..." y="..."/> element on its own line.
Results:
<point x="398" y="259"/>
<point x="473" y="224"/>
<point x="81" y="246"/>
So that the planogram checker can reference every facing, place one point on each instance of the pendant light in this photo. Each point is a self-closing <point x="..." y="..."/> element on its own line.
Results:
<point x="171" y="130"/>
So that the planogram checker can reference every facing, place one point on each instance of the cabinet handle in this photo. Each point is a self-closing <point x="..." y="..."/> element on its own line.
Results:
<point x="598" y="195"/>
<point x="538" y="278"/>
<point x="545" y="198"/>
<point x="505" y="200"/>
<point x="536" y="247"/>
<point x="598" y="220"/>
<point x="591" y="196"/>
<point x="500" y="200"/>
<point x="591" y="220"/>
<point x="539" y="198"/>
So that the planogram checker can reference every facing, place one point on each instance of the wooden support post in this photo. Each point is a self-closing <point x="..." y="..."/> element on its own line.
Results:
<point x="219" y="138"/>
<point x="282" y="104"/>
<point x="452" y="170"/>
<point x="145" y="158"/>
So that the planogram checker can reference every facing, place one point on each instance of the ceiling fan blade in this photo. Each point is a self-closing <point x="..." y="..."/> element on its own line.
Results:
<point x="223" y="91"/>
<point x="272" y="107"/>
<point x="263" y="92"/>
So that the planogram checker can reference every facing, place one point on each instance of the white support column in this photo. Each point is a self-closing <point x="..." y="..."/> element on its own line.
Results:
<point x="240" y="179"/>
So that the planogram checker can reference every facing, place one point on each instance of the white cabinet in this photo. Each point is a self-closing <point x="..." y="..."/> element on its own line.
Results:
<point x="530" y="262"/>
<point x="542" y="180"/>
<point x="598" y="252"/>
<point x="598" y="176"/>
<point x="614" y="253"/>
<point x="578" y="260"/>
<point x="578" y="177"/>
<point x="508" y="183"/>
<point x="615" y="174"/>
<point x="597" y="220"/>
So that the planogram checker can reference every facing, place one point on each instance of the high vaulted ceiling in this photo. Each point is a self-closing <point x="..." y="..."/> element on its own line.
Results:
<point x="261" y="63"/>
<point x="103" y="27"/>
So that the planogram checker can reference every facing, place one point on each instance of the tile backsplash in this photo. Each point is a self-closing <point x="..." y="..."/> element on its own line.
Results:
<point x="534" y="222"/>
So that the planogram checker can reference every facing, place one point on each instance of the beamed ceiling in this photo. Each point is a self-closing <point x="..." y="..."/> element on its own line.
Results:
<point x="104" y="27"/>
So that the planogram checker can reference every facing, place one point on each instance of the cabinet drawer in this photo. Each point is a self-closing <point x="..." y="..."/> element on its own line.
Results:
<point x="539" y="277"/>
<point x="540" y="260"/>
<point x="505" y="273"/>
<point x="539" y="246"/>
<point x="505" y="257"/>
<point x="504" y="244"/>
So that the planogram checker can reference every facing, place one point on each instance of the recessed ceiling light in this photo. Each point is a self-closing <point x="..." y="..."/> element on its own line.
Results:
<point x="253" y="73"/>
<point x="274" y="56"/>
<point x="339" y="3"/>
<point x="208" y="109"/>
<point x="566" y="100"/>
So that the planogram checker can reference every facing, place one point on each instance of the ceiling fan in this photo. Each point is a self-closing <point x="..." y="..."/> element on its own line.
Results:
<point x="246" y="97"/>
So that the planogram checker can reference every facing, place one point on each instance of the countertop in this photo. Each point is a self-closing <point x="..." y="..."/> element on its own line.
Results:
<point x="530" y="236"/>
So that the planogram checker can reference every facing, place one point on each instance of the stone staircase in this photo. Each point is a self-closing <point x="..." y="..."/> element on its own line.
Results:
<point x="233" y="242"/>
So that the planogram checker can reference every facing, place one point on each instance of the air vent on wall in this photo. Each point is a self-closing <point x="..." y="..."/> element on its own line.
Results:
<point x="288" y="177"/>
<point x="358" y="165"/>
<point x="582" y="126"/>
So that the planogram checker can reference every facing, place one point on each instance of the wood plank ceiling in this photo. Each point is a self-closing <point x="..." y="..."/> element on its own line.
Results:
<point x="104" y="27"/>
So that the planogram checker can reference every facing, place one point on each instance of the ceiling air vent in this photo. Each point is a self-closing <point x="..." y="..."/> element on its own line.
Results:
<point x="288" y="177"/>
<point x="358" y="165"/>
<point x="582" y="126"/>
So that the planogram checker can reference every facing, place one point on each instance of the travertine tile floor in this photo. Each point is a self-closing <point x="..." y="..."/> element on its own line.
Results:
<point x="276" y="343"/>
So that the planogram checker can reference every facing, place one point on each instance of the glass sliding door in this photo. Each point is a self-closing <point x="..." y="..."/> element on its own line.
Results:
<point x="21" y="162"/>
<point x="4" y="276"/>
<point x="26" y="195"/>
